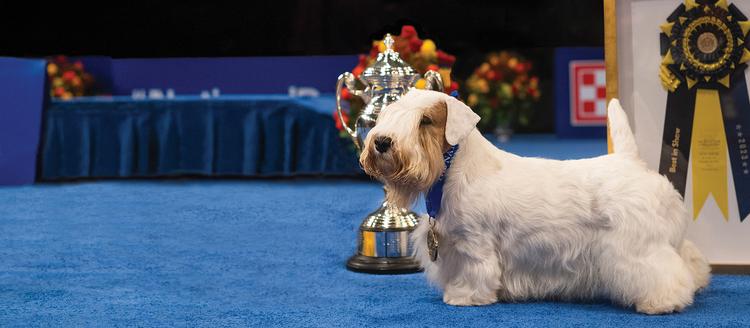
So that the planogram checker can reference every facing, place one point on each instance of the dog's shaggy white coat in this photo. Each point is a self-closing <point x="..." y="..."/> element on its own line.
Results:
<point x="513" y="228"/>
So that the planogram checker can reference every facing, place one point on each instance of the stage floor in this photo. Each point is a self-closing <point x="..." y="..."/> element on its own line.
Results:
<point x="245" y="253"/>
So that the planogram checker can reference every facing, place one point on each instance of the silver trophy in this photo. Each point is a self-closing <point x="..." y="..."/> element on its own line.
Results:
<point x="383" y="241"/>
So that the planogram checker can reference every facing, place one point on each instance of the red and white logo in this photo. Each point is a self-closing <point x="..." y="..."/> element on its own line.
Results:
<point x="588" y="93"/>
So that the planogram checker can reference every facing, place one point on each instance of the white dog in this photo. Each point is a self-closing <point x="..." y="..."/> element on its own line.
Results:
<point x="512" y="228"/>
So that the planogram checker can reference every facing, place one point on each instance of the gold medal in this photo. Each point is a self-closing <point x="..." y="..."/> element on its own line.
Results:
<point x="432" y="241"/>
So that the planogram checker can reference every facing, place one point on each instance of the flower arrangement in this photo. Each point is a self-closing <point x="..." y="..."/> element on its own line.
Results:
<point x="68" y="80"/>
<point x="420" y="54"/>
<point x="503" y="92"/>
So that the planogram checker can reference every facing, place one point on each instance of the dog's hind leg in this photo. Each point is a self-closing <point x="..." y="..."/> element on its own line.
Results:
<point x="655" y="280"/>
<point x="697" y="264"/>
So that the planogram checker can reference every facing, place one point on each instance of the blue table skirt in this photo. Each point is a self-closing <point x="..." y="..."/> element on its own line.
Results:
<point x="230" y="136"/>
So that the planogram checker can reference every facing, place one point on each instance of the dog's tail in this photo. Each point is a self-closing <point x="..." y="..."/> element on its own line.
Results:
<point x="623" y="141"/>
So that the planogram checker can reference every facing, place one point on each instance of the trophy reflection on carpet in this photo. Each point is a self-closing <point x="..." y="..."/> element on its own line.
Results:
<point x="383" y="241"/>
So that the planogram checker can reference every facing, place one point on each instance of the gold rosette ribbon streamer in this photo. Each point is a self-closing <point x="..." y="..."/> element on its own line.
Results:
<point x="704" y="55"/>
<point x="709" y="146"/>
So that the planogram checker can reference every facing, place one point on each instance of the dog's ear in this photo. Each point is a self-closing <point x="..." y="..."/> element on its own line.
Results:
<point x="461" y="120"/>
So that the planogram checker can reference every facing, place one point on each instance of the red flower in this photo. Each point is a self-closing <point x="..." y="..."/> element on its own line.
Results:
<point x="408" y="31"/>
<point x="534" y="92"/>
<point x="445" y="59"/>
<point x="498" y="75"/>
<point x="522" y="67"/>
<point x="415" y="44"/>
<point x="433" y="67"/>
<point x="362" y="60"/>
<point x="374" y="51"/>
<point x="78" y="65"/>
<point x="453" y="87"/>
<point x="59" y="91"/>
<point x="345" y="94"/>
<point x="357" y="71"/>
<point x="68" y="75"/>
<point x="339" y="126"/>
<point x="491" y="75"/>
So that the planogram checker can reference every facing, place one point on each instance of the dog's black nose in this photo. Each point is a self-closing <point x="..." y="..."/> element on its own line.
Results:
<point x="382" y="144"/>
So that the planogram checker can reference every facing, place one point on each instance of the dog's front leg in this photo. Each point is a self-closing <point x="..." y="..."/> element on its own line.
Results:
<point x="471" y="269"/>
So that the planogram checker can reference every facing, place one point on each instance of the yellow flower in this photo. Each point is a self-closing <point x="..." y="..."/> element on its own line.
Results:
<point x="483" y="86"/>
<point x="471" y="83"/>
<point x="381" y="45"/>
<point x="473" y="99"/>
<point x="51" y="69"/>
<point x="484" y="68"/>
<point x="506" y="90"/>
<point x="67" y="95"/>
<point x="428" y="47"/>
<point x="421" y="83"/>
<point x="495" y="60"/>
<point x="445" y="74"/>
<point x="513" y="62"/>
<point x="56" y="82"/>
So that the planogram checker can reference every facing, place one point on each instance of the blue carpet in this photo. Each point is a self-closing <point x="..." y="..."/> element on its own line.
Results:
<point x="218" y="253"/>
<point x="245" y="253"/>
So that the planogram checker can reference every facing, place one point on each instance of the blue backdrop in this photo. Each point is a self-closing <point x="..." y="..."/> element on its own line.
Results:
<point x="21" y="97"/>
<point x="232" y="75"/>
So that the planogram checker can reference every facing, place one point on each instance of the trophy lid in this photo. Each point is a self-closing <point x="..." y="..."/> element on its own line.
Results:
<point x="388" y="64"/>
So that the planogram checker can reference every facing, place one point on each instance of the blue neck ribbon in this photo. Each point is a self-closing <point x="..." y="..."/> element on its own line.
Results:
<point x="434" y="196"/>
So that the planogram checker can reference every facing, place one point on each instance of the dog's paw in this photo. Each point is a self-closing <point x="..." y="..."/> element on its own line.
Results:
<point x="672" y="296"/>
<point x="660" y="307"/>
<point x="467" y="300"/>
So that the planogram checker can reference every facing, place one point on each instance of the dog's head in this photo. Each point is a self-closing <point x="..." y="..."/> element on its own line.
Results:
<point x="405" y="148"/>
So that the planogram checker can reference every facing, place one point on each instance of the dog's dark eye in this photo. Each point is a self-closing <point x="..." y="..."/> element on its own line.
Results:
<point x="425" y="121"/>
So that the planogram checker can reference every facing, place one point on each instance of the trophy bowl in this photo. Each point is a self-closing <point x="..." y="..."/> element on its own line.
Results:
<point x="383" y="243"/>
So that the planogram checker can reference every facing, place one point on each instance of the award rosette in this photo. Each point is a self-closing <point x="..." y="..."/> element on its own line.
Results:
<point x="704" y="48"/>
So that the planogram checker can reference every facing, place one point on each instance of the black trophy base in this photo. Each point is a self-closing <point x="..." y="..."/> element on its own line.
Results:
<point x="383" y="265"/>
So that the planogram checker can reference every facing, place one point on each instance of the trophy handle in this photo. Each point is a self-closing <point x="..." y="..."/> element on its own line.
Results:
<point x="344" y="78"/>
<point x="351" y="83"/>
<point x="434" y="81"/>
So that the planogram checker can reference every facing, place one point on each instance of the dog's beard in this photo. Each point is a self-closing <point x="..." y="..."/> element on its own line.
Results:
<point x="405" y="175"/>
